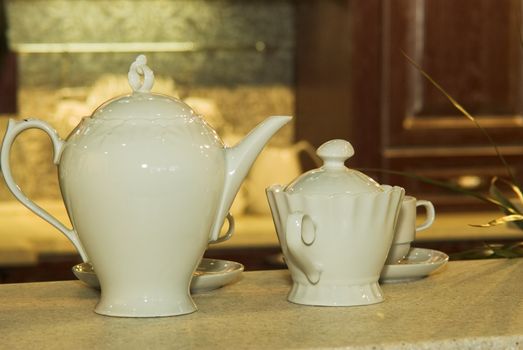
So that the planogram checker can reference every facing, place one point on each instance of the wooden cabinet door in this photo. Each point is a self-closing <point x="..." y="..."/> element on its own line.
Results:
<point x="395" y="117"/>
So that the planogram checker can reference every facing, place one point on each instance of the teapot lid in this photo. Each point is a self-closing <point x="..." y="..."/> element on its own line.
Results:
<point x="334" y="177"/>
<point x="142" y="103"/>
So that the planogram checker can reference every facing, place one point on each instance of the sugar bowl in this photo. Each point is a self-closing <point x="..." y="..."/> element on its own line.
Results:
<point x="335" y="226"/>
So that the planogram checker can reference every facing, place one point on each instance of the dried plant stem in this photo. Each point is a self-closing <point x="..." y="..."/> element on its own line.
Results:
<point x="465" y="113"/>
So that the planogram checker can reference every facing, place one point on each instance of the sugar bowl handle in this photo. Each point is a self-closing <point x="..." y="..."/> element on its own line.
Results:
<point x="301" y="235"/>
<point x="14" y="128"/>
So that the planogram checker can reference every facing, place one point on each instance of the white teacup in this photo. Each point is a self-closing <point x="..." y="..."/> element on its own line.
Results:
<point x="406" y="228"/>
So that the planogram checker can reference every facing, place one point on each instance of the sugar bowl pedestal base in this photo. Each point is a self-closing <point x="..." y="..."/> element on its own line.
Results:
<point x="335" y="294"/>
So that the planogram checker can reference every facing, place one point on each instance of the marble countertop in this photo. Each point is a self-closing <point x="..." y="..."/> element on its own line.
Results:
<point x="466" y="305"/>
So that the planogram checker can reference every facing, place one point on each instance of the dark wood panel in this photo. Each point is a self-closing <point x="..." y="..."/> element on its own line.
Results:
<point x="471" y="48"/>
<point x="353" y="82"/>
<point x="472" y="45"/>
<point x="337" y="74"/>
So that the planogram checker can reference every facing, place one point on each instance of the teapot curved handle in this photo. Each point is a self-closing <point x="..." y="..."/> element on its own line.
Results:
<point x="14" y="128"/>
<point x="300" y="234"/>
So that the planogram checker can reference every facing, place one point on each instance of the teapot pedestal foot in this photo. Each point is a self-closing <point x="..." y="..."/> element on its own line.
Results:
<point x="335" y="294"/>
<point x="119" y="307"/>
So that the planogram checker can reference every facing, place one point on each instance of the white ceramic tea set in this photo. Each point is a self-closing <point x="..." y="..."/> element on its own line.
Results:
<point x="148" y="184"/>
<point x="341" y="232"/>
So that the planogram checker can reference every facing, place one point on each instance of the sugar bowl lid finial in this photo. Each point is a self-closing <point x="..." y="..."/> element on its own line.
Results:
<point x="334" y="153"/>
<point x="333" y="177"/>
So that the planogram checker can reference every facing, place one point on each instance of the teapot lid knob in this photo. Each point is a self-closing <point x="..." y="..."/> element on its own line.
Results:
<point x="138" y="69"/>
<point x="334" y="153"/>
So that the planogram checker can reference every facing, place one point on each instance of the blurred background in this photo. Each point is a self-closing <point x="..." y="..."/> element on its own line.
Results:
<point x="336" y="65"/>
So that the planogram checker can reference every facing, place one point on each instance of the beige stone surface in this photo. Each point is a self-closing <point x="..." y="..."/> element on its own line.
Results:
<point x="467" y="305"/>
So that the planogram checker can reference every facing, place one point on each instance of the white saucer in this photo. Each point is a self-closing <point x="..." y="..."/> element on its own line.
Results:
<point x="210" y="274"/>
<point x="417" y="264"/>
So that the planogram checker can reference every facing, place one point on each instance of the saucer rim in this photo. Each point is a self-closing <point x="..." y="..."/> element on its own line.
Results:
<point x="441" y="256"/>
<point x="202" y="282"/>
<point x="405" y="272"/>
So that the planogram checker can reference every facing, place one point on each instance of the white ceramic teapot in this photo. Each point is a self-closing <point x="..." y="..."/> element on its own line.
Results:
<point x="335" y="226"/>
<point x="147" y="185"/>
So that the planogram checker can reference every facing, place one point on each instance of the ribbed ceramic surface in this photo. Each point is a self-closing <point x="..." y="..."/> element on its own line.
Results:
<point x="353" y="234"/>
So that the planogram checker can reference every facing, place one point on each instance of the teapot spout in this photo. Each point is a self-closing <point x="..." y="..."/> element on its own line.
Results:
<point x="238" y="161"/>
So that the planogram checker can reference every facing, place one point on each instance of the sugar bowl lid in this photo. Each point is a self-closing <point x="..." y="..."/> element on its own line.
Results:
<point x="334" y="177"/>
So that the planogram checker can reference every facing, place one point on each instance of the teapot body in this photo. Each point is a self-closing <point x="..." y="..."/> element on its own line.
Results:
<point x="142" y="196"/>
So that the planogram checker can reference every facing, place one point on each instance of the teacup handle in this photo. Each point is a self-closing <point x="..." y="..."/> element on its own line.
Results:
<point x="300" y="234"/>
<point x="14" y="128"/>
<point x="228" y="234"/>
<point x="431" y="214"/>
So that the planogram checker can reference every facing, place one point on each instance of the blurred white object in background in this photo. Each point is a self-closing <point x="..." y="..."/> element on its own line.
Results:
<point x="207" y="108"/>
<point x="76" y="103"/>
<point x="110" y="85"/>
<point x="275" y="165"/>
